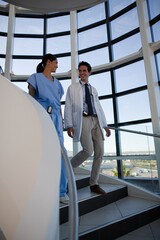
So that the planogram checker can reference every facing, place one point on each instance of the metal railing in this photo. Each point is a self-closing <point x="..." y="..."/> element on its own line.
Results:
<point x="73" y="205"/>
<point x="137" y="132"/>
<point x="141" y="133"/>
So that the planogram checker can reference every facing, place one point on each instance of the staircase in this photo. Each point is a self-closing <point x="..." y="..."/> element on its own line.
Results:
<point x="123" y="209"/>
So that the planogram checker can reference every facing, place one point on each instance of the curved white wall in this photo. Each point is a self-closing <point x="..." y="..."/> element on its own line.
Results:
<point x="29" y="167"/>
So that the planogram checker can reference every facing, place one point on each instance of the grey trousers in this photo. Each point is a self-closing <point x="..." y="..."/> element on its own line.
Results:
<point x="91" y="140"/>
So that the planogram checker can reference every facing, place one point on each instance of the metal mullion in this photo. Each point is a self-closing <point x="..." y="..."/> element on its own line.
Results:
<point x="109" y="96"/>
<point x="134" y="122"/>
<point x="19" y="80"/>
<point x="127" y="92"/>
<point x="130" y="91"/>
<point x="123" y="11"/>
<point x="45" y="36"/>
<point x="59" y="14"/>
<point x="63" y="78"/>
<point x="93" y="25"/>
<point x="29" y="15"/>
<point x="65" y="33"/>
<point x="93" y="48"/>
<point x="2" y="55"/>
<point x="26" y="57"/>
<point x="21" y="35"/>
<point x="115" y="109"/>
<point x="3" y="34"/>
<point x="157" y="51"/>
<point x="155" y="20"/>
<point x="128" y="63"/>
<point x="4" y="13"/>
<point x="126" y="35"/>
<point x="39" y="56"/>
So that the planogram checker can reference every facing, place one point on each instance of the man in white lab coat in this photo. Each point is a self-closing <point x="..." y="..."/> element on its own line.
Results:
<point x="85" y="122"/>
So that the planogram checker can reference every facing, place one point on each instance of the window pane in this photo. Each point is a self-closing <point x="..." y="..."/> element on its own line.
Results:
<point x="124" y="23"/>
<point x="29" y="25"/>
<point x="3" y="45"/>
<point x="24" y="67"/>
<point x="110" y="145"/>
<point x="65" y="84"/>
<point x="3" y="3"/>
<point x="58" y="24"/>
<point x="64" y="64"/>
<point x="127" y="46"/>
<point x="2" y="63"/>
<point x="131" y="76"/>
<point x="107" y="106"/>
<point x="117" y="5"/>
<point x="3" y="23"/>
<point x="158" y="65"/>
<point x="102" y="82"/>
<point x="134" y="106"/>
<point x="135" y="143"/>
<point x="22" y="85"/>
<point x="91" y="15"/>
<point x="96" y="57"/>
<point x="154" y="8"/>
<point x="68" y="143"/>
<point x="92" y="37"/>
<point x="58" y="44"/>
<point x="156" y="32"/>
<point x="28" y="46"/>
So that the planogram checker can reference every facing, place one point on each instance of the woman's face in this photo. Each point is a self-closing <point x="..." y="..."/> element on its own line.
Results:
<point x="53" y="65"/>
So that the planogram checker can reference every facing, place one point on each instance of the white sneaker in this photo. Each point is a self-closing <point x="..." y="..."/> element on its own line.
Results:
<point x="64" y="199"/>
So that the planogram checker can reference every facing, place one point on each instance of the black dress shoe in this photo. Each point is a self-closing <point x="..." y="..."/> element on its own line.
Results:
<point x="97" y="189"/>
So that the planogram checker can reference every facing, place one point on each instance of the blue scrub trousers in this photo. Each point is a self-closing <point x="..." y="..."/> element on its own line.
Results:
<point x="57" y="120"/>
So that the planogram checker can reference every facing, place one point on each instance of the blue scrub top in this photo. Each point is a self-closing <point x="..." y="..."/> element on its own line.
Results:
<point x="48" y="93"/>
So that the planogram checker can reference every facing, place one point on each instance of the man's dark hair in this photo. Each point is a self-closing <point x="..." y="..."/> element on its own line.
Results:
<point x="85" y="64"/>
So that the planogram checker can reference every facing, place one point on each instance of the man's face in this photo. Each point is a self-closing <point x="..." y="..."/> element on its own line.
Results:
<point x="83" y="73"/>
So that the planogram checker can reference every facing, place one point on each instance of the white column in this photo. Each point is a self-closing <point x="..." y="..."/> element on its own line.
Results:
<point x="10" y="37"/>
<point x="74" y="60"/>
<point x="151" y="74"/>
<point x="74" y="46"/>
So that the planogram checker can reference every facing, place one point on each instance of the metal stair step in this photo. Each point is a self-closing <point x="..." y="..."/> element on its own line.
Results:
<point x="115" y="219"/>
<point x="88" y="201"/>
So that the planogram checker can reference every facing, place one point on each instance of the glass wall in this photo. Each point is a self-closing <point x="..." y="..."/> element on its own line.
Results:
<point x="107" y="33"/>
<point x="3" y="37"/>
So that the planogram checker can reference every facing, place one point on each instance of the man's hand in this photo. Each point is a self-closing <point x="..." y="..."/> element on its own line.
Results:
<point x="108" y="132"/>
<point x="70" y="132"/>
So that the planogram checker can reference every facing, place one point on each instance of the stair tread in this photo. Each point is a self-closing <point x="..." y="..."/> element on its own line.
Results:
<point x="81" y="176"/>
<point x="112" y="212"/>
<point x="85" y="193"/>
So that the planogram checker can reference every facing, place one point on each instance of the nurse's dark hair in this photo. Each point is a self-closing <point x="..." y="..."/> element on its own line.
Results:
<point x="85" y="64"/>
<point x="42" y="64"/>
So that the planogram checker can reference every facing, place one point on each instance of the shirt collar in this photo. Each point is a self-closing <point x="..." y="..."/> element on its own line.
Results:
<point x="81" y="82"/>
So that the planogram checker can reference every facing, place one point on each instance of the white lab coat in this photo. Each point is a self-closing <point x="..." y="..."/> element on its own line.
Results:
<point x="73" y="111"/>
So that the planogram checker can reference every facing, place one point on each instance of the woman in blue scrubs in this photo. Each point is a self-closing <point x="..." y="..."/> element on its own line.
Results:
<point x="48" y="91"/>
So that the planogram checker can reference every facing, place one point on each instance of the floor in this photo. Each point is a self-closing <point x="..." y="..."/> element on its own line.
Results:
<point x="113" y="212"/>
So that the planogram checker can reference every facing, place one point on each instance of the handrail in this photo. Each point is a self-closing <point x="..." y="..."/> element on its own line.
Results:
<point x="137" y="132"/>
<point x="73" y="206"/>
